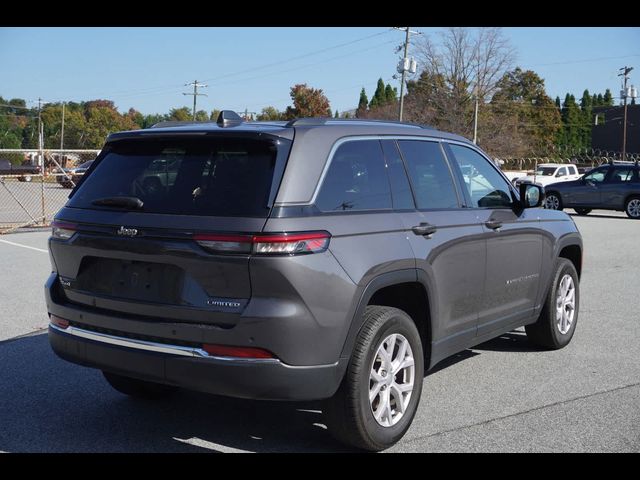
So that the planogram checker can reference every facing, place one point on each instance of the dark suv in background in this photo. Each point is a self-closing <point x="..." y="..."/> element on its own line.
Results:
<point x="316" y="259"/>
<point x="613" y="186"/>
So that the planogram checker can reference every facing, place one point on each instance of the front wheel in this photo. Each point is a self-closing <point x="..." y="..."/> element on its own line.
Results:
<point x="557" y="322"/>
<point x="379" y="395"/>
<point x="138" y="388"/>
<point x="632" y="208"/>
<point x="553" y="201"/>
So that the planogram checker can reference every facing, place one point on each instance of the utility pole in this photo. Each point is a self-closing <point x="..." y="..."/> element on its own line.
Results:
<point x="625" y="73"/>
<point x="405" y="65"/>
<point x="62" y="133"/>
<point x="475" y="119"/>
<point x="195" y="94"/>
<point x="41" y="157"/>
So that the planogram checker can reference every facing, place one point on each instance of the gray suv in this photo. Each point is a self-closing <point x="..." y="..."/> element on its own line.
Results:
<point x="317" y="259"/>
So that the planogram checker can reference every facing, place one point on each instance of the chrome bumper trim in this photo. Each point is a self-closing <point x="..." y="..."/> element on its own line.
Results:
<point x="153" y="346"/>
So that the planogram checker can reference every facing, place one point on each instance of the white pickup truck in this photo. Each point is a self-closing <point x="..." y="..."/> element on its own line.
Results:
<point x="548" y="173"/>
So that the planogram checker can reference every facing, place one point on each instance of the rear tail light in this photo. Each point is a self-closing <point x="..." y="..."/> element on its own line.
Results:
<point x="62" y="230"/>
<point x="237" y="352"/>
<point x="59" y="322"/>
<point x="266" y="244"/>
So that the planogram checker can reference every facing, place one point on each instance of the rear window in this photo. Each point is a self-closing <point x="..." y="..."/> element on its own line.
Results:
<point x="204" y="176"/>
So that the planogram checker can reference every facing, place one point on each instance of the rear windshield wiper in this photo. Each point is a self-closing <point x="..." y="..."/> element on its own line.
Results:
<point x="133" y="203"/>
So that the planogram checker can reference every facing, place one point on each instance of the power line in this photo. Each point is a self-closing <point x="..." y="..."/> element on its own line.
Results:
<point x="300" y="67"/>
<point x="298" y="57"/>
<point x="162" y="90"/>
<point x="570" y="62"/>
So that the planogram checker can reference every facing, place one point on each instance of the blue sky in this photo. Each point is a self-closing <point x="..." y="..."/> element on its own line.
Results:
<point x="251" y="68"/>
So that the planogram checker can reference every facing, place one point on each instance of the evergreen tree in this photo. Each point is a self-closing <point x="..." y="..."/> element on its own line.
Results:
<point x="600" y="100"/>
<point x="363" y="104"/>
<point x="390" y="94"/>
<point x="571" y="122"/>
<point x="594" y="100"/>
<point x="379" y="97"/>
<point x="336" y="115"/>
<point x="586" y="107"/>
<point x="608" y="98"/>
<point x="558" y="104"/>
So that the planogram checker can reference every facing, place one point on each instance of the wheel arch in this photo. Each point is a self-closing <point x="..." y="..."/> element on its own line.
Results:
<point x="403" y="289"/>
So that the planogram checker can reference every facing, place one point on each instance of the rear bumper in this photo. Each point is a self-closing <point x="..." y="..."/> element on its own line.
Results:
<point x="254" y="379"/>
<point x="116" y="350"/>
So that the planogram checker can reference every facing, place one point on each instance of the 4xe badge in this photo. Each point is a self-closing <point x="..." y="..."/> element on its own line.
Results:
<point x="127" y="232"/>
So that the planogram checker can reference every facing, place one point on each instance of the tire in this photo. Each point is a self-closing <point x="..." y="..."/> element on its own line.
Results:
<point x="349" y="414"/>
<point x="550" y="331"/>
<point x="138" y="388"/>
<point x="582" y="211"/>
<point x="553" y="201"/>
<point x="632" y="208"/>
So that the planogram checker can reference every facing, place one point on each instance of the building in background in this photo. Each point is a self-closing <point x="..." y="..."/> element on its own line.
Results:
<point x="607" y="134"/>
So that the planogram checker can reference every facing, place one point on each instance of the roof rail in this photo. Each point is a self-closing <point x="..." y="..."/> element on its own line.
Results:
<point x="315" y="121"/>
<point x="298" y="122"/>
<point x="176" y="123"/>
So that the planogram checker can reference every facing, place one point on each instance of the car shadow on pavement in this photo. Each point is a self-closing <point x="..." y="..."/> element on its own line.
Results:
<point x="49" y="405"/>
<point x="514" y="341"/>
<point x="600" y="215"/>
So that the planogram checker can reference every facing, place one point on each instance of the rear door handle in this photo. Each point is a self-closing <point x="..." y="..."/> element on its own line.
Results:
<point x="424" y="229"/>
<point x="493" y="224"/>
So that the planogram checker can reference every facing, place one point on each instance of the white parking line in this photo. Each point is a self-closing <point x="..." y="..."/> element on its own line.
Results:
<point x="23" y="246"/>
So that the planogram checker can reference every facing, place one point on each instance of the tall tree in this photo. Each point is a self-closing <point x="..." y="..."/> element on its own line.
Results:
<point x="521" y="96"/>
<point x="363" y="104"/>
<point x="456" y="66"/>
<point x="571" y="123"/>
<point x="586" y="110"/>
<point x="307" y="102"/>
<point x="607" y="99"/>
<point x="390" y="94"/>
<point x="379" y="97"/>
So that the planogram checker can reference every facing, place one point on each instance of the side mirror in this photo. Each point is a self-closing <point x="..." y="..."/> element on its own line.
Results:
<point x="558" y="174"/>
<point x="531" y="195"/>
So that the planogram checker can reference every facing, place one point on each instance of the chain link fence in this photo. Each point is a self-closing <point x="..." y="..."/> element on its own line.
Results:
<point x="31" y="195"/>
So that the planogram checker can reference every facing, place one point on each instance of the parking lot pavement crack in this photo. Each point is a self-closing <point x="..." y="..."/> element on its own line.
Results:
<point x="25" y="335"/>
<point x="524" y="412"/>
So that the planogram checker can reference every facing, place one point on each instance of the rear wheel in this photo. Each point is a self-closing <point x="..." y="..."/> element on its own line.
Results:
<point x="632" y="207"/>
<point x="582" y="211"/>
<point x="557" y="323"/>
<point x="553" y="201"/>
<point x="379" y="395"/>
<point x="138" y="388"/>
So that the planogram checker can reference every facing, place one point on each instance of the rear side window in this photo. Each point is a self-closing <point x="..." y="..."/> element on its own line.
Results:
<point x="356" y="179"/>
<point x="430" y="176"/>
<point x="621" y="175"/>
<point x="205" y="176"/>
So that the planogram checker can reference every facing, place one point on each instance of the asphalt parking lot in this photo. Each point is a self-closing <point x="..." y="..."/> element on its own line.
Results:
<point x="501" y="396"/>
<point x="21" y="202"/>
